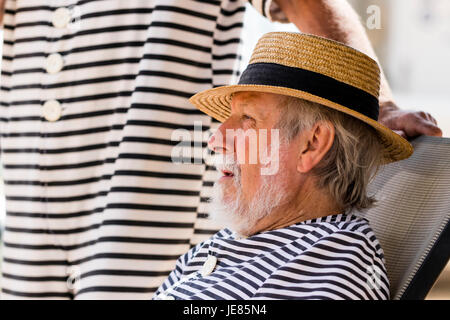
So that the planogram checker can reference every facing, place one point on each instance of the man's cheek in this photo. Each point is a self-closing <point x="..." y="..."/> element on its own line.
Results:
<point x="250" y="180"/>
<point x="229" y="193"/>
<point x="269" y="152"/>
<point x="246" y="142"/>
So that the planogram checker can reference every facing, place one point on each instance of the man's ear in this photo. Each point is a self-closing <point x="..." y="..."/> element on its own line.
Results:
<point x="314" y="145"/>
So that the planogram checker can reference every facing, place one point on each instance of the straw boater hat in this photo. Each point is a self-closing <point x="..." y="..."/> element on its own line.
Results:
<point x="314" y="69"/>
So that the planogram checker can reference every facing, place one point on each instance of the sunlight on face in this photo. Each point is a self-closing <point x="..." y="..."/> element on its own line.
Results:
<point x="243" y="195"/>
<point x="248" y="137"/>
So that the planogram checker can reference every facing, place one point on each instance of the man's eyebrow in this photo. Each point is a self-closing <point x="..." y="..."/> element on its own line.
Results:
<point x="255" y="110"/>
<point x="247" y="105"/>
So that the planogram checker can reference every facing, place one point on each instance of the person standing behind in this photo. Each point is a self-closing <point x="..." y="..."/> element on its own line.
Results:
<point x="91" y="92"/>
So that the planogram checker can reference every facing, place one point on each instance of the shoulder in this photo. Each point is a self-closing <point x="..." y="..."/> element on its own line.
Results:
<point x="339" y="231"/>
<point x="358" y="233"/>
<point x="352" y="241"/>
<point x="337" y="260"/>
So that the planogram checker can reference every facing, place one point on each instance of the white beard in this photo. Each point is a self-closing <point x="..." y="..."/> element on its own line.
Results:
<point x="238" y="215"/>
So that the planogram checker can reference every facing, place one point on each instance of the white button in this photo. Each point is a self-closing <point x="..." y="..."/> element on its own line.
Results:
<point x="209" y="266"/>
<point x="55" y="63"/>
<point x="51" y="110"/>
<point x="61" y="17"/>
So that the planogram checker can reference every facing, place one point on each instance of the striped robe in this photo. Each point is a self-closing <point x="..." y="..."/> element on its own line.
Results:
<point x="333" y="257"/>
<point x="96" y="208"/>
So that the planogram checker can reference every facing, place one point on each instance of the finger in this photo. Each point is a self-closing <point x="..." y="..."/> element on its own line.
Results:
<point x="431" y="118"/>
<point x="421" y="126"/>
<point x="429" y="128"/>
<point x="427" y="116"/>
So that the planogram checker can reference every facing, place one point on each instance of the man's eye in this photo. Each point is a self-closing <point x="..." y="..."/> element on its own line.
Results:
<point x="247" y="117"/>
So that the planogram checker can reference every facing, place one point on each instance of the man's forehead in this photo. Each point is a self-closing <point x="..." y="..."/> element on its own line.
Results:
<point x="254" y="99"/>
<point x="246" y="95"/>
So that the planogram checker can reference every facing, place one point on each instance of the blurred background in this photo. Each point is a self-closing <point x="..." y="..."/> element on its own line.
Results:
<point x="412" y="41"/>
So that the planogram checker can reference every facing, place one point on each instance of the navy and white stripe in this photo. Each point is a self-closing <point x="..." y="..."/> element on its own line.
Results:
<point x="94" y="195"/>
<point x="333" y="257"/>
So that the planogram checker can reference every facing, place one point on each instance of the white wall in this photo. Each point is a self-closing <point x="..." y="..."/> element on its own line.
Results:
<point x="419" y="46"/>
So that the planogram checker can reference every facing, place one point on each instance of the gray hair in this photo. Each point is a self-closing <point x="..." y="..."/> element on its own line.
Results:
<point x="353" y="159"/>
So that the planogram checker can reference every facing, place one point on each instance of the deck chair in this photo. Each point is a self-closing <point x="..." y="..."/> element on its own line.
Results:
<point x="411" y="219"/>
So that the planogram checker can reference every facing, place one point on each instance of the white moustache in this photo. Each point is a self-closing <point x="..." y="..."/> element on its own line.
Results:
<point x="224" y="163"/>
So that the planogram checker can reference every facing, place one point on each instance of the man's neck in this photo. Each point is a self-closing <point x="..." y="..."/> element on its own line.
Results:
<point x="312" y="205"/>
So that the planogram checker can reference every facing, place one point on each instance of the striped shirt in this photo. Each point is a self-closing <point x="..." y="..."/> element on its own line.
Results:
<point x="91" y="93"/>
<point x="333" y="257"/>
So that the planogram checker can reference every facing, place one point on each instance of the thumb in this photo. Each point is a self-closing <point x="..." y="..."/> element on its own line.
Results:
<point x="400" y="133"/>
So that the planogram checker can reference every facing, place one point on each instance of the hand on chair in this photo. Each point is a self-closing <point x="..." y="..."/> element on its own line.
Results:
<point x="408" y="123"/>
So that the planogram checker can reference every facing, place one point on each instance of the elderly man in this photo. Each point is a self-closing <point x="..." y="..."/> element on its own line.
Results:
<point x="296" y="232"/>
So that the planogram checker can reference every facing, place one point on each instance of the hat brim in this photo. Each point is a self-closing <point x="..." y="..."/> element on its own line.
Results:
<point x="216" y="103"/>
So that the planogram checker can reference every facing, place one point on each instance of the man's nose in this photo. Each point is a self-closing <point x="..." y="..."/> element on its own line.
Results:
<point x="220" y="142"/>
